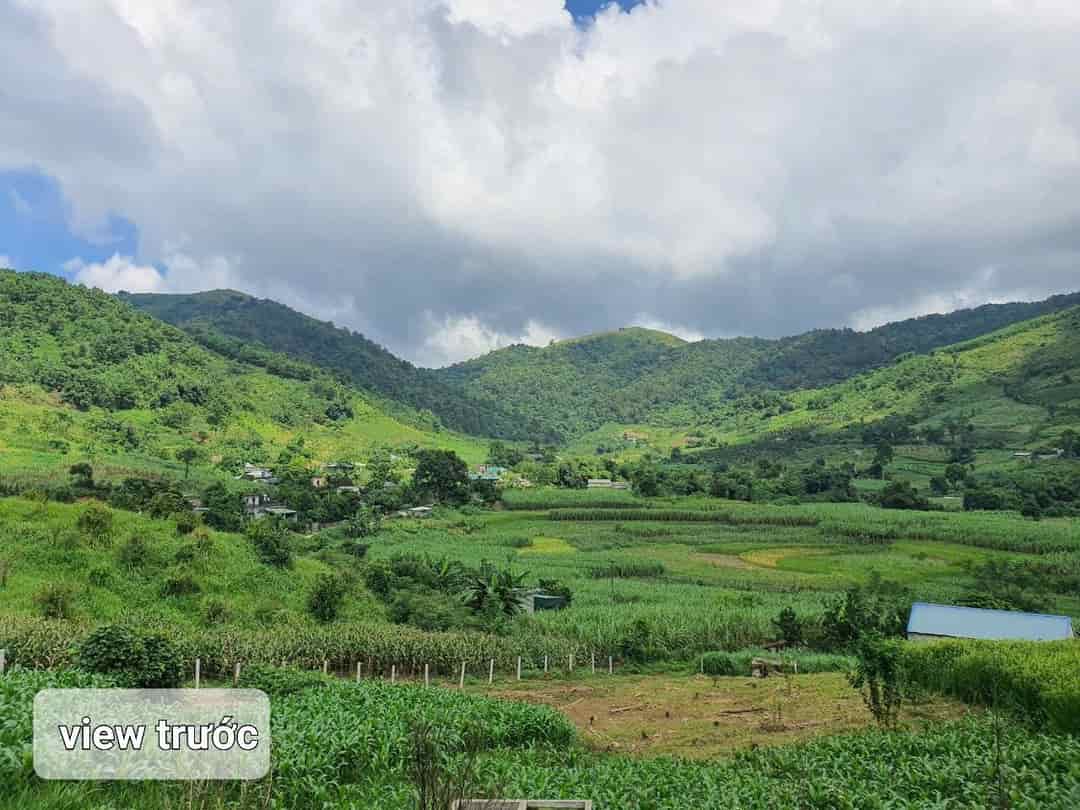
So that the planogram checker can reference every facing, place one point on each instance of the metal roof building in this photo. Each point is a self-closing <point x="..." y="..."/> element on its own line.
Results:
<point x="949" y="621"/>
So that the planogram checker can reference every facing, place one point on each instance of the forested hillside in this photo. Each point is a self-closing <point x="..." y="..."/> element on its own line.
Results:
<point x="236" y="324"/>
<point x="83" y="374"/>
<point x="565" y="390"/>
<point x="638" y="376"/>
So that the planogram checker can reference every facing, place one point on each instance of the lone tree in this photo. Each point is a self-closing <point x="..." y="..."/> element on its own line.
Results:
<point x="187" y="455"/>
<point x="442" y="474"/>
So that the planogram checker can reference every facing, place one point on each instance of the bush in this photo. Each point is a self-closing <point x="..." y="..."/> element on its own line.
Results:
<point x="186" y="522"/>
<point x="96" y="523"/>
<point x="135" y="660"/>
<point x="181" y="584"/>
<point x="278" y="682"/>
<point x="135" y="553"/>
<point x="324" y="601"/>
<point x="271" y="542"/>
<point x="722" y="663"/>
<point x="54" y="600"/>
<point x="215" y="612"/>
<point x="100" y="576"/>
<point x="879" y="677"/>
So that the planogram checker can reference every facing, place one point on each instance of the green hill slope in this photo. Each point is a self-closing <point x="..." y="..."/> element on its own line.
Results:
<point x="1017" y="387"/>
<point x="235" y="323"/>
<point x="84" y="375"/>
<point x="639" y="377"/>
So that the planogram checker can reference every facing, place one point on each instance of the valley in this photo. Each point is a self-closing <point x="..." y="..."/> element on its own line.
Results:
<point x="220" y="478"/>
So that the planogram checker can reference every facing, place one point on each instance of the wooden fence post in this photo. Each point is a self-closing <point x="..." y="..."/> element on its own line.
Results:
<point x="325" y="666"/>
<point x="358" y="672"/>
<point x="571" y="662"/>
<point x="3" y="661"/>
<point x="593" y="663"/>
<point x="427" y="681"/>
<point x="610" y="670"/>
<point x="519" y="668"/>
<point x="198" y="672"/>
<point x="491" y="672"/>
<point x="236" y="674"/>
<point x="461" y="683"/>
<point x="393" y="673"/>
<point x="545" y="665"/>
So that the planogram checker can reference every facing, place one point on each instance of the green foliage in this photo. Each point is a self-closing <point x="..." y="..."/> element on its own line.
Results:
<point x="880" y="608"/>
<point x="132" y="658"/>
<point x="324" y="601"/>
<point x="879" y="676"/>
<point x="95" y="523"/>
<point x="366" y="522"/>
<point x="442" y="475"/>
<point x="1034" y="679"/>
<point x="270" y="539"/>
<point x="278" y="682"/>
<point x="54" y="600"/>
<point x="902" y="495"/>
<point x="789" y="626"/>
<point x="628" y="568"/>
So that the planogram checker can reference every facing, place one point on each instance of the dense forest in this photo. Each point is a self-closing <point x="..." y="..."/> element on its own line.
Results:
<point x="559" y="392"/>
<point x="231" y="322"/>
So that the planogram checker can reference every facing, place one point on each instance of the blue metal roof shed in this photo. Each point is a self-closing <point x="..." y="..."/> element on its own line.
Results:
<point x="950" y="621"/>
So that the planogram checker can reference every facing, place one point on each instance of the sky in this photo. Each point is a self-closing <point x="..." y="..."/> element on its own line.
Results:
<point x="451" y="176"/>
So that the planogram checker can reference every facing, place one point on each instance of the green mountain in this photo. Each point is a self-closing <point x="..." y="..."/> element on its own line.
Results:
<point x="636" y="376"/>
<point x="236" y="324"/>
<point x="85" y="375"/>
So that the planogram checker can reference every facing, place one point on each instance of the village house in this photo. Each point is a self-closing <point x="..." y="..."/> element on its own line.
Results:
<point x="605" y="483"/>
<point x="487" y="472"/>
<point x="252" y="472"/>
<point x="416" y="512"/>
<point x="929" y="621"/>
<point x="350" y="489"/>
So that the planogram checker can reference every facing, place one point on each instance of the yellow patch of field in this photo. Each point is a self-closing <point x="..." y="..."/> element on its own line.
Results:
<point x="771" y="557"/>
<point x="548" y="545"/>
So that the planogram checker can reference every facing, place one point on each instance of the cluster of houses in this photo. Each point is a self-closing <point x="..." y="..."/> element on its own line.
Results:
<point x="499" y="475"/>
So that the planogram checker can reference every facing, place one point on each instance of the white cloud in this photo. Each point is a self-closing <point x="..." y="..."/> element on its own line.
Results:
<point x="455" y="339"/>
<point x="6" y="262"/>
<point x="116" y="273"/>
<point x="739" y="167"/>
<point x="181" y="274"/>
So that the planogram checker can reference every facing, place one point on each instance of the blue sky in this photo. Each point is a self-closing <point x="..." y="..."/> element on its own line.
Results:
<point x="35" y="232"/>
<point x="582" y="9"/>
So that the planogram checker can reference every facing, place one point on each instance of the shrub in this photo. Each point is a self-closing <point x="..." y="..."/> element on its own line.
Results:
<point x="180" y="584"/>
<point x="789" y="626"/>
<point x="324" y="601"/>
<point x="271" y="542"/>
<point x="100" y="576"/>
<point x="134" y="659"/>
<point x="186" y="522"/>
<point x="134" y="553"/>
<point x="278" y="682"/>
<point x="215" y="612"/>
<point x="721" y="663"/>
<point x="879" y="676"/>
<point x="54" y="600"/>
<point x="96" y="523"/>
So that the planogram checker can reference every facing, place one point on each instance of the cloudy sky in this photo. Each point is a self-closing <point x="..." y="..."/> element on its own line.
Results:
<point x="448" y="176"/>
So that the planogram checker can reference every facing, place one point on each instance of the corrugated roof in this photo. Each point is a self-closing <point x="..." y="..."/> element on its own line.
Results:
<point x="965" y="622"/>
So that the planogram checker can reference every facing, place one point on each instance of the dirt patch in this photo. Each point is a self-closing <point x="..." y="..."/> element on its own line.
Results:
<point x="701" y="717"/>
<point x="771" y="557"/>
